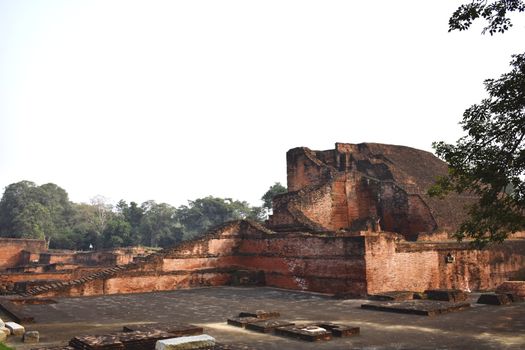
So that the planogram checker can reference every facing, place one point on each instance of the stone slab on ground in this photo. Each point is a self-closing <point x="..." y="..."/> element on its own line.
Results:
<point x="305" y="332"/>
<point x="268" y="326"/>
<point x="339" y="330"/>
<point x="178" y="329"/>
<point x="494" y="299"/>
<point x="3" y="337"/>
<point x="516" y="287"/>
<point x="143" y="340"/>
<point x="202" y="341"/>
<point x="15" y="328"/>
<point x="417" y="307"/>
<point x="89" y="342"/>
<point x="261" y="314"/>
<point x="452" y="295"/>
<point x="241" y="321"/>
<point x="31" y="337"/>
<point x="393" y="296"/>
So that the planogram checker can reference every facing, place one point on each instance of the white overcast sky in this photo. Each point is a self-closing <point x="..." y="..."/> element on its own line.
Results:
<point x="175" y="100"/>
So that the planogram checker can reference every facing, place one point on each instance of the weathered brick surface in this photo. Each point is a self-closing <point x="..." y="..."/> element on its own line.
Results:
<point x="365" y="187"/>
<point x="392" y="265"/>
<point x="11" y="250"/>
<point x="331" y="233"/>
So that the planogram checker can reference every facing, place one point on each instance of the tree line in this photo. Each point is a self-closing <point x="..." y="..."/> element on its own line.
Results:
<point x="45" y="212"/>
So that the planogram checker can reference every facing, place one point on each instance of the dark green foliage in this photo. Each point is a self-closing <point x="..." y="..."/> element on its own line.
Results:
<point x="203" y="213"/>
<point x="28" y="210"/>
<point x="31" y="211"/>
<point x="159" y="224"/>
<point x="494" y="12"/>
<point x="274" y="190"/>
<point x="489" y="162"/>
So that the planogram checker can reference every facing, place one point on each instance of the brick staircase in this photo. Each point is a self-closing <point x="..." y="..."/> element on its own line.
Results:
<point x="59" y="285"/>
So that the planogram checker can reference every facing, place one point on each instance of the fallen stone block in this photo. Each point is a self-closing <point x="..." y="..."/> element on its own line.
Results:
<point x="494" y="299"/>
<point x="453" y="295"/>
<point x="90" y="342"/>
<point x="15" y="328"/>
<point x="261" y="314"/>
<point x="339" y="330"/>
<point x="186" y="343"/>
<point x="308" y="333"/>
<point x="31" y="337"/>
<point x="143" y="340"/>
<point x="3" y="337"/>
<point x="417" y="307"/>
<point x="241" y="321"/>
<point x="268" y="326"/>
<point x="175" y="328"/>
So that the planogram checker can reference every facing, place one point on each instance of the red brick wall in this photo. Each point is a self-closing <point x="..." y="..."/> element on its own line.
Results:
<point x="329" y="263"/>
<point x="56" y="257"/>
<point x="392" y="265"/>
<point x="11" y="250"/>
<point x="295" y="261"/>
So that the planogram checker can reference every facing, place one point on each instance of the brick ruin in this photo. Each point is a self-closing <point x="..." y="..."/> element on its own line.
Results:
<point x="356" y="220"/>
<point x="366" y="186"/>
<point x="25" y="263"/>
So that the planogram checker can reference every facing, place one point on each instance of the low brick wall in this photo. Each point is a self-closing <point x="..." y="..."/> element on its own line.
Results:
<point x="355" y="264"/>
<point x="397" y="265"/>
<point x="11" y="250"/>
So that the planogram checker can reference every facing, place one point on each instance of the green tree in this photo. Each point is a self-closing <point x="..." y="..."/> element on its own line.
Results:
<point x="203" y="213"/>
<point x="274" y="190"/>
<point x="117" y="232"/>
<point x="133" y="214"/>
<point x="28" y="210"/>
<point x="159" y="224"/>
<point x="489" y="161"/>
<point x="494" y="12"/>
<point x="82" y="226"/>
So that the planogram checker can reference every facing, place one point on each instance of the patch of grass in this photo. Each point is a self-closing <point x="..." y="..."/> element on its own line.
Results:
<point x="4" y="347"/>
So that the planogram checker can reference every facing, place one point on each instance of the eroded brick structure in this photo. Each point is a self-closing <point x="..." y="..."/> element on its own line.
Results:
<point x="365" y="187"/>
<point x="12" y="250"/>
<point x="348" y="224"/>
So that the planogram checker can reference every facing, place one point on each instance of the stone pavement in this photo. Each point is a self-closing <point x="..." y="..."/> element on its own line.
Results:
<point x="479" y="327"/>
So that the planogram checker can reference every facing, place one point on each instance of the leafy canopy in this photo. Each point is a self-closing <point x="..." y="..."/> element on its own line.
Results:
<point x="496" y="13"/>
<point x="273" y="191"/>
<point x="489" y="161"/>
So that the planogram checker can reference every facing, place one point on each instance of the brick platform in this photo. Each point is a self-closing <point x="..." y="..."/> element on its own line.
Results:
<point x="417" y="307"/>
<point x="308" y="333"/>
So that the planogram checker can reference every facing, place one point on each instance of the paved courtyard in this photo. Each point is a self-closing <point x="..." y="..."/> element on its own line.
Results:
<point x="480" y="327"/>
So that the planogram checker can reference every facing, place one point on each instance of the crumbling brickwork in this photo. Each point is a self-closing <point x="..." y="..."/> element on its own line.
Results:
<point x="11" y="250"/>
<point x="348" y="224"/>
<point x="365" y="187"/>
